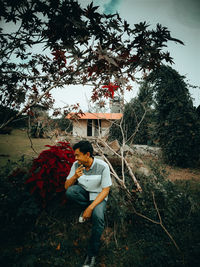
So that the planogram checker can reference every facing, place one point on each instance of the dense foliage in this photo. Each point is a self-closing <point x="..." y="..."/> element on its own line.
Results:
<point x="163" y="114"/>
<point x="18" y="210"/>
<point x="138" y="124"/>
<point x="178" y="126"/>
<point x="63" y="124"/>
<point x="52" y="236"/>
<point x="140" y="216"/>
<point x="49" y="171"/>
<point x="75" y="46"/>
<point x="6" y="113"/>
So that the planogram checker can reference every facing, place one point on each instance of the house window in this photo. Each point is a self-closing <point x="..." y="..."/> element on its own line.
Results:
<point x="89" y="128"/>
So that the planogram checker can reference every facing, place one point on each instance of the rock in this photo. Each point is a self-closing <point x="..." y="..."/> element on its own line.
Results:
<point x="138" y="166"/>
<point x="144" y="170"/>
<point x="115" y="161"/>
<point x="128" y="150"/>
<point x="114" y="145"/>
<point x="145" y="150"/>
<point x="108" y="152"/>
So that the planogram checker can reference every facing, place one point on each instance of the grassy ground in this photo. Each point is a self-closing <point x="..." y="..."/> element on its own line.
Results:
<point x="17" y="144"/>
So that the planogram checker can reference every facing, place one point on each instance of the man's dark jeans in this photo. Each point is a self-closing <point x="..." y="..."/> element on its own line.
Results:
<point x="79" y="195"/>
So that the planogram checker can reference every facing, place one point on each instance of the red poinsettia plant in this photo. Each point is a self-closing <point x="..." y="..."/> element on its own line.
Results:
<point x="49" y="171"/>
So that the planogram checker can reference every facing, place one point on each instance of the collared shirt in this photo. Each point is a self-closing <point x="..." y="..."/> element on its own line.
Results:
<point x="95" y="179"/>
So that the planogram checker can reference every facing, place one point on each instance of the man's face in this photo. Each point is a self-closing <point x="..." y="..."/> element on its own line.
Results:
<point x="80" y="157"/>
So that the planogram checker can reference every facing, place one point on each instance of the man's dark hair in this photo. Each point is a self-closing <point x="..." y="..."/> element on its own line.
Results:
<point x="84" y="147"/>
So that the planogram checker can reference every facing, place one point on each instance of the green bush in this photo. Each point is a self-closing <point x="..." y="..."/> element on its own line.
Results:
<point x="53" y="237"/>
<point x="178" y="126"/>
<point x="133" y="114"/>
<point x="6" y="113"/>
<point x="179" y="210"/>
<point x="63" y="123"/>
<point x="138" y="119"/>
<point x="18" y="209"/>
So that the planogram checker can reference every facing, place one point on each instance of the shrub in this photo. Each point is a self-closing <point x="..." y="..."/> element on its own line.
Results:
<point x="6" y="113"/>
<point x="6" y="130"/>
<point x="38" y="130"/>
<point x="32" y="236"/>
<point x="179" y="210"/>
<point x="49" y="172"/>
<point x="18" y="209"/>
<point x="138" y="119"/>
<point x="178" y="126"/>
<point x="63" y="123"/>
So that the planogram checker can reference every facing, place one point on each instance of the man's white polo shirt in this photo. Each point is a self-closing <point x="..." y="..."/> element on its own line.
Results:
<point x="95" y="179"/>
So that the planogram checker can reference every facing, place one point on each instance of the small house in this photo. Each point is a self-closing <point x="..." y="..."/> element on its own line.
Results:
<point x="93" y="124"/>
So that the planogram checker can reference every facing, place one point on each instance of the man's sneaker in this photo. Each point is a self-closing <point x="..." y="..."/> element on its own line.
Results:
<point x="81" y="220"/>
<point x="89" y="261"/>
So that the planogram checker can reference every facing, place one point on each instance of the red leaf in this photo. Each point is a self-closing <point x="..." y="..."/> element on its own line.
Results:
<point x="111" y="88"/>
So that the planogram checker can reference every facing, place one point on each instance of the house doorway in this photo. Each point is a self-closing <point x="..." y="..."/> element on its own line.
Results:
<point x="89" y="128"/>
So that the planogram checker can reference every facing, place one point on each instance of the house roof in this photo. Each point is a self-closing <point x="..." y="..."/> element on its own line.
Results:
<point x="93" y="116"/>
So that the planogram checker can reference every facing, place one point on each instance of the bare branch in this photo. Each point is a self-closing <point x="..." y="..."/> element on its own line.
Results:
<point x="28" y="133"/>
<point x="32" y="103"/>
<point x="161" y="224"/>
<point x="111" y="167"/>
<point x="138" y="126"/>
<point x="127" y="164"/>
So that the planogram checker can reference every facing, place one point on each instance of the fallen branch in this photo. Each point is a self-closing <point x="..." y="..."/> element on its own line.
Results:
<point x="127" y="164"/>
<point x="111" y="168"/>
<point x="158" y="222"/>
<point x="30" y="137"/>
<point x="161" y="224"/>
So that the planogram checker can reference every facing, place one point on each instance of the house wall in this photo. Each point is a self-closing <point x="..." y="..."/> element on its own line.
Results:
<point x="80" y="128"/>
<point x="105" y="125"/>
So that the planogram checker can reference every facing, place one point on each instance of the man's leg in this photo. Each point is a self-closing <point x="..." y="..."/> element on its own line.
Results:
<point x="78" y="194"/>
<point x="98" y="224"/>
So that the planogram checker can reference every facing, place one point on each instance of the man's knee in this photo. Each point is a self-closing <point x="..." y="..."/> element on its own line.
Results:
<point x="71" y="192"/>
<point x="78" y="194"/>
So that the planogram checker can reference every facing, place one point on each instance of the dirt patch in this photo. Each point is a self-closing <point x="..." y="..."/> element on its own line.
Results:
<point x="182" y="174"/>
<point x="175" y="173"/>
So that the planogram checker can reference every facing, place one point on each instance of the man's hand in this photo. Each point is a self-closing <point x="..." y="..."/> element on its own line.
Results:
<point x="87" y="213"/>
<point x="79" y="171"/>
<point x="72" y="180"/>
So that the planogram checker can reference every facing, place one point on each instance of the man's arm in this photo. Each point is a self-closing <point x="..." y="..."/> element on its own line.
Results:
<point x="101" y="196"/>
<point x="73" y="179"/>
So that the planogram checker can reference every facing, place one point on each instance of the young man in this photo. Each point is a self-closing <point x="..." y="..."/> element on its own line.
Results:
<point x="88" y="184"/>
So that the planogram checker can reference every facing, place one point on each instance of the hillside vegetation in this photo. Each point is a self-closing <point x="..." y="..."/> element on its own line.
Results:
<point x="33" y="235"/>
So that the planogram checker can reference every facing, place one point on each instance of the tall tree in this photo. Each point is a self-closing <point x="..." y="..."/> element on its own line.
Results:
<point x="75" y="46"/>
<point x="178" y="127"/>
<point x="138" y="118"/>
